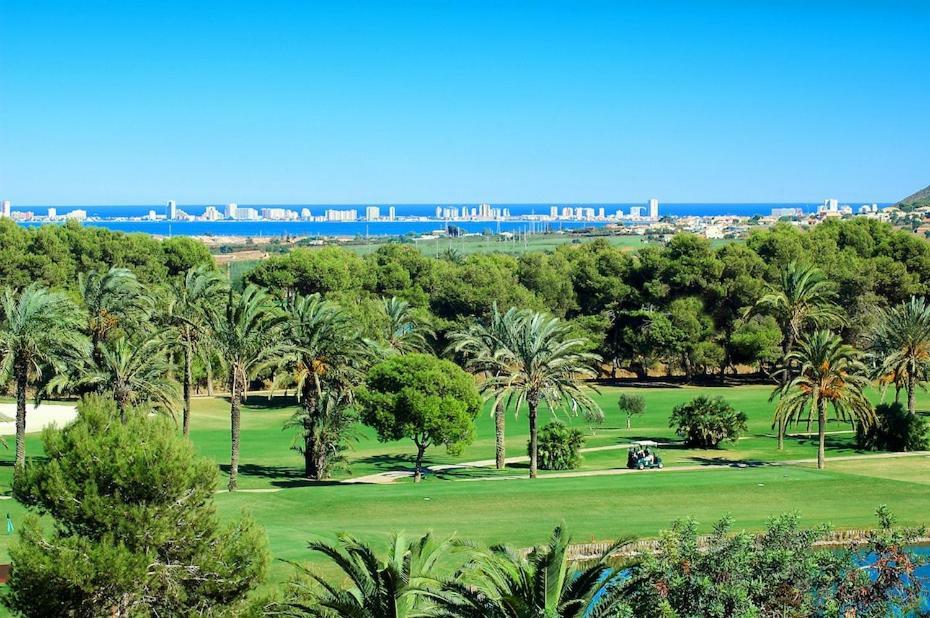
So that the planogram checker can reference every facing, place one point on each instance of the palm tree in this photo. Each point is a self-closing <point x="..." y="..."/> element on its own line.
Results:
<point x="484" y="346"/>
<point x="133" y="372"/>
<point x="327" y="356"/>
<point x="194" y="296"/>
<point x="114" y="299"/>
<point x="801" y="298"/>
<point x="405" y="331"/>
<point x="248" y="335"/>
<point x="325" y="430"/>
<point x="826" y="372"/>
<point x="900" y="343"/>
<point x="503" y="583"/>
<point x="393" y="587"/>
<point x="39" y="331"/>
<point x="541" y="363"/>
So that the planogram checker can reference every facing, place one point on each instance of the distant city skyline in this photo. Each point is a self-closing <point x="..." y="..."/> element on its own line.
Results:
<point x="362" y="102"/>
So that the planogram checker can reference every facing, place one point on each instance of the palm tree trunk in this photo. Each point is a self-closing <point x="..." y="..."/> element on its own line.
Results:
<point x="781" y="423"/>
<point x="821" y="434"/>
<point x="22" y="377"/>
<point x="500" y="455"/>
<point x="208" y="365"/>
<point x="188" y="380"/>
<point x="121" y="407"/>
<point x="233" y="430"/>
<point x="533" y="402"/>
<point x="911" y="393"/>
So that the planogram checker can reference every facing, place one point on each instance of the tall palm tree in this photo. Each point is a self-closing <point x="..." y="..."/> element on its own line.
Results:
<point x="801" y="298"/>
<point x="826" y="372"/>
<point x="325" y="431"/>
<point x="199" y="292"/>
<point x="393" y="587"/>
<point x="405" y="331"/>
<point x="114" y="299"/>
<point x="900" y="343"/>
<point x="133" y="372"/>
<point x="503" y="583"/>
<point x="542" y="364"/>
<point x="326" y="355"/>
<point x="484" y="346"/>
<point x="40" y="333"/>
<point x="248" y="335"/>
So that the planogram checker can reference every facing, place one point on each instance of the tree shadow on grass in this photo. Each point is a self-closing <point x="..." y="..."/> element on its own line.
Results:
<point x="262" y="402"/>
<point x="280" y="476"/>
<point x="731" y="463"/>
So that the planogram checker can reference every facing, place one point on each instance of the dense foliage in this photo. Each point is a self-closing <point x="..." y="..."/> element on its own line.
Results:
<point x="423" y="398"/>
<point x="135" y="530"/>
<point x="559" y="447"/>
<point x="705" y="422"/>
<point x="894" y="429"/>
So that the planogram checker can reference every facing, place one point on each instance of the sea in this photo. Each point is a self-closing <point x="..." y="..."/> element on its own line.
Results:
<point x="119" y="218"/>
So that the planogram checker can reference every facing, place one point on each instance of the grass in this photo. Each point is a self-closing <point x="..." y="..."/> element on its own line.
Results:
<point x="522" y="512"/>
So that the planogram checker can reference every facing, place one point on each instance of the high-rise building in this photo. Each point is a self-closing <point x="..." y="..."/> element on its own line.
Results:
<point x="619" y="213"/>
<point x="831" y="204"/>
<point x="600" y="213"/>
<point x="246" y="214"/>
<point x="79" y="215"/>
<point x="391" y="213"/>
<point x="653" y="208"/>
<point x="636" y="212"/>
<point x="152" y="215"/>
<point x="212" y="214"/>
<point x="6" y="208"/>
<point x="372" y="213"/>
<point x="553" y="212"/>
<point x="231" y="211"/>
<point x="172" y="210"/>
<point x="484" y="211"/>
<point x="52" y="213"/>
<point x="305" y="214"/>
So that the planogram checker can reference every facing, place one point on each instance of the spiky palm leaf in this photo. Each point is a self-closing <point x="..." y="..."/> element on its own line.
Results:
<point x="500" y="582"/>
<point x="114" y="299"/>
<point x="405" y="331"/>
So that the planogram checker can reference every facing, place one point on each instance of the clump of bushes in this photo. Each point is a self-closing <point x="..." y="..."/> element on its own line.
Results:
<point x="559" y="447"/>
<point x="895" y="429"/>
<point x="705" y="422"/>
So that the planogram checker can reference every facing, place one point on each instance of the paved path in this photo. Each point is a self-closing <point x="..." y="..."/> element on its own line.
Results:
<point x="37" y="418"/>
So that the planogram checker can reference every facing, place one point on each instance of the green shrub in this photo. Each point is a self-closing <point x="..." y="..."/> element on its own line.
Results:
<point x="895" y="429"/>
<point x="559" y="447"/>
<point x="631" y="405"/>
<point x="705" y="422"/>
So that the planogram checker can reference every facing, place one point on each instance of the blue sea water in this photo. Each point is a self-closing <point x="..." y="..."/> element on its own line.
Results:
<point x="376" y="228"/>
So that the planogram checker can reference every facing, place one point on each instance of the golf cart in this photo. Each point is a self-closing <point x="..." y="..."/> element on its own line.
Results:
<point x="643" y="454"/>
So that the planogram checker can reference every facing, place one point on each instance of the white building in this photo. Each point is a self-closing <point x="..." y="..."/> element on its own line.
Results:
<point x="653" y="208"/>
<point x="484" y="211"/>
<point x="619" y="213"/>
<point x="831" y="205"/>
<point x="341" y="215"/>
<point x="636" y="212"/>
<point x="172" y="210"/>
<point x="78" y="215"/>
<point x="778" y="213"/>
<point x="231" y="211"/>
<point x="52" y="214"/>
<point x="276" y="214"/>
<point x="246" y="214"/>
<point x="553" y="212"/>
<point x="212" y="214"/>
<point x="392" y="213"/>
<point x="372" y="213"/>
<point x="6" y="208"/>
<point x="305" y="214"/>
<point x="601" y="213"/>
<point x="152" y="215"/>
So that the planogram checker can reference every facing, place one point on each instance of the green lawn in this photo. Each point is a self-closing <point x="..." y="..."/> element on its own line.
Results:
<point x="522" y="512"/>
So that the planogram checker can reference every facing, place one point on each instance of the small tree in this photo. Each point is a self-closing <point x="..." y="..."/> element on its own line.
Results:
<point x="559" y="447"/>
<point x="423" y="398"/>
<point x="631" y="405"/>
<point x="705" y="422"/>
<point x="134" y="532"/>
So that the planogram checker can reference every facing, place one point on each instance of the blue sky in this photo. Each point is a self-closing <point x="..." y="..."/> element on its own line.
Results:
<point x="341" y="102"/>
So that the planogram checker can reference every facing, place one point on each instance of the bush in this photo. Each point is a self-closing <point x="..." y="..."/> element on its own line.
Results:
<point x="895" y="429"/>
<point x="705" y="422"/>
<point x="559" y="447"/>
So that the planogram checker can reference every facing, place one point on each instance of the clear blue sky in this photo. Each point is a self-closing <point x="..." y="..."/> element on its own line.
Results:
<point x="339" y="102"/>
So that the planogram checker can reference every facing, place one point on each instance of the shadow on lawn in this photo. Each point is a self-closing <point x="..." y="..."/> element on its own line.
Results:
<point x="389" y="462"/>
<point x="280" y="476"/>
<point x="262" y="402"/>
<point x="732" y="463"/>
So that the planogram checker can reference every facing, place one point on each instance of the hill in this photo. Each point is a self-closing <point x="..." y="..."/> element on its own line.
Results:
<point x="921" y="198"/>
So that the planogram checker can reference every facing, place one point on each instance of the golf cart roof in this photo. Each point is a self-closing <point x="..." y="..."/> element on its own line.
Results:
<point x="645" y="443"/>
